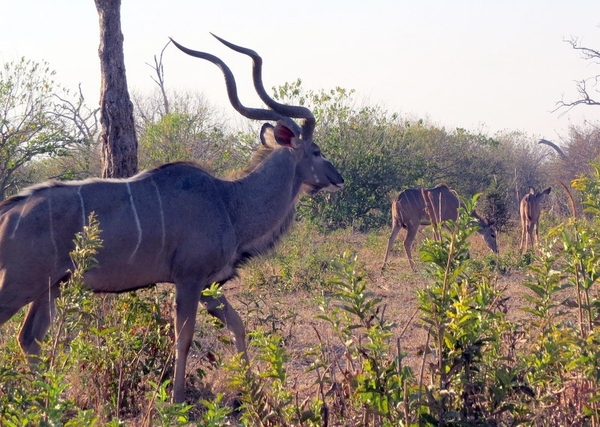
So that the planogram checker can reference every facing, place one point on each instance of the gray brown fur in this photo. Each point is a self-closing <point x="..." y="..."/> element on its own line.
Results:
<point x="175" y="223"/>
<point x="415" y="207"/>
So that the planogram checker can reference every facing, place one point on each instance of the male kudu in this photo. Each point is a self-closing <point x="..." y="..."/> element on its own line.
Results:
<point x="175" y="223"/>
<point x="425" y="206"/>
<point x="530" y="209"/>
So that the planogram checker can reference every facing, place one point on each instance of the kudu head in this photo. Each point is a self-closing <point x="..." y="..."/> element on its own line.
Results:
<point x="541" y="193"/>
<point x="313" y="170"/>
<point x="486" y="231"/>
<point x="531" y="204"/>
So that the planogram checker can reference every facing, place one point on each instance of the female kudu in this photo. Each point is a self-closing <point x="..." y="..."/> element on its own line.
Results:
<point x="530" y="210"/>
<point x="415" y="207"/>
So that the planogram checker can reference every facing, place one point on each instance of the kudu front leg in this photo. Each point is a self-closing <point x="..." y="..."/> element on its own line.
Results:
<point x="222" y="310"/>
<point x="186" y="306"/>
<point x="533" y="236"/>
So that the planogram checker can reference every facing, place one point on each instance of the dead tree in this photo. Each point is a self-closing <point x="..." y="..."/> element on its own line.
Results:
<point x="119" y="141"/>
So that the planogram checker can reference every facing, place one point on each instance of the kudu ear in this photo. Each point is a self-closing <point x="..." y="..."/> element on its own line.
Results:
<point x="285" y="136"/>
<point x="482" y="220"/>
<point x="280" y="134"/>
<point x="266" y="134"/>
<point x="547" y="191"/>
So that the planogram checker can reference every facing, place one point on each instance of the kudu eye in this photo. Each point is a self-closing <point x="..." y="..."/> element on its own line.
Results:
<point x="317" y="153"/>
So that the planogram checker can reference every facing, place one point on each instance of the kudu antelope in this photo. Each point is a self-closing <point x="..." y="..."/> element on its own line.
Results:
<point x="415" y="207"/>
<point x="530" y="209"/>
<point x="175" y="223"/>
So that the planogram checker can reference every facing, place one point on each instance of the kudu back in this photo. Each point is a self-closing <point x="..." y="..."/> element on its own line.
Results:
<point x="530" y="210"/>
<point x="175" y="223"/>
<point x="415" y="207"/>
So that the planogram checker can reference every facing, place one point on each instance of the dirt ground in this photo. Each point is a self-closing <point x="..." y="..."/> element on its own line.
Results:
<point x="396" y="287"/>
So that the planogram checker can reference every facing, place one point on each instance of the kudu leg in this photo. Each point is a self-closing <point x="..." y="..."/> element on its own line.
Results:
<point x="7" y="311"/>
<point x="222" y="310"/>
<point x="10" y="301"/>
<point x="395" y="231"/>
<point x="529" y="238"/>
<point x="523" y="245"/>
<point x="411" y="233"/>
<point x="186" y="306"/>
<point x="533" y="236"/>
<point x="39" y="316"/>
<point x="524" y="234"/>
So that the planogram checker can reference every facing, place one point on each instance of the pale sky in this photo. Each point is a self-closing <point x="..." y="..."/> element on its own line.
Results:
<point x="476" y="64"/>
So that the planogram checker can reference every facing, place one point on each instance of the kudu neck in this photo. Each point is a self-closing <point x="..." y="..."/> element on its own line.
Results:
<point x="264" y="199"/>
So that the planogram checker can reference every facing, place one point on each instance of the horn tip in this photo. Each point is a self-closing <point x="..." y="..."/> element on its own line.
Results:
<point x="217" y="37"/>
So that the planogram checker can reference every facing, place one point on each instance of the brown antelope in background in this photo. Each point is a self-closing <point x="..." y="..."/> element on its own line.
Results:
<point x="175" y="223"/>
<point x="530" y="209"/>
<point x="415" y="207"/>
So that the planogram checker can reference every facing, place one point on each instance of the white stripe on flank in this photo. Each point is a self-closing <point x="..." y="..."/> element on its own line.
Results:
<point x="12" y="236"/>
<point x="82" y="207"/>
<point x="162" y="213"/>
<point x="137" y="222"/>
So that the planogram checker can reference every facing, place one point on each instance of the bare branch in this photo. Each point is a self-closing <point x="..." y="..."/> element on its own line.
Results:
<point x="586" y="52"/>
<point x="84" y="119"/>
<point x="584" y="86"/>
<point x="160" y="77"/>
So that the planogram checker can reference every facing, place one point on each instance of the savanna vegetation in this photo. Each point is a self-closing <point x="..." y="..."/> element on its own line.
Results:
<point x="469" y="338"/>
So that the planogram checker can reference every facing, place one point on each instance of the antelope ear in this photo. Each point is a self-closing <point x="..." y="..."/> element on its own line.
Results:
<point x="547" y="190"/>
<point x="285" y="136"/>
<point x="266" y="135"/>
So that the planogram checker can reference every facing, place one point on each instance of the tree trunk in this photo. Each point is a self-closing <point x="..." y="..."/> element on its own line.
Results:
<point x="119" y="141"/>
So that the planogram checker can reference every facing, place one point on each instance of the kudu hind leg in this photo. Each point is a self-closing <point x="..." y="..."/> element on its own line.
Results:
<point x="523" y="244"/>
<point x="10" y="301"/>
<point x="411" y="233"/>
<point x="7" y="311"/>
<point x="529" y="236"/>
<point x="222" y="310"/>
<point x="391" y="240"/>
<point x="39" y="316"/>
